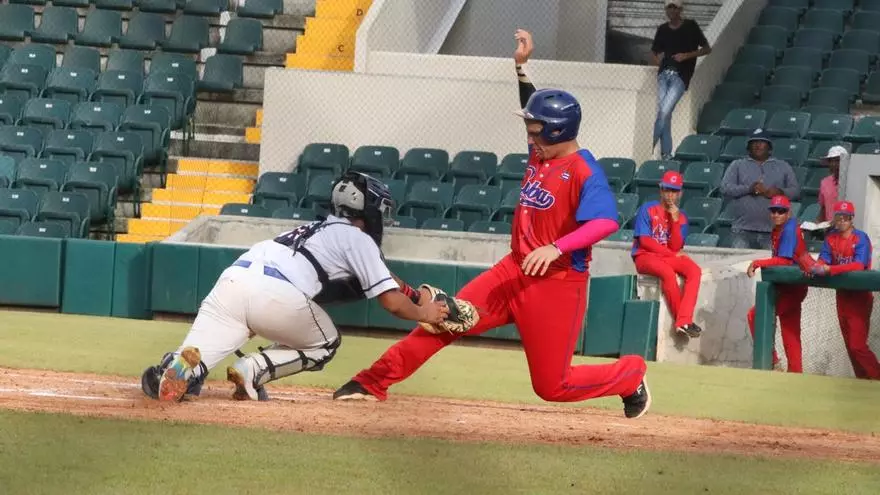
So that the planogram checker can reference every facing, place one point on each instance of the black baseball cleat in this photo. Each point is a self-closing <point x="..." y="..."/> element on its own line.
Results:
<point x="637" y="404"/>
<point x="692" y="330"/>
<point x="353" y="391"/>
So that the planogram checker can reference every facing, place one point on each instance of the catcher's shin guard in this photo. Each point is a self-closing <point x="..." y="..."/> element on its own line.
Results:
<point x="250" y="372"/>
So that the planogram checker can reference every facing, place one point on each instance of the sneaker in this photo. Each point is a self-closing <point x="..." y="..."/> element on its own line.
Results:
<point x="693" y="330"/>
<point x="353" y="391"/>
<point x="637" y="404"/>
<point x="176" y="378"/>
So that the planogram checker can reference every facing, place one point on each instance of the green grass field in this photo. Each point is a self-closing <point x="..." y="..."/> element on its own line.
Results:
<point x="45" y="453"/>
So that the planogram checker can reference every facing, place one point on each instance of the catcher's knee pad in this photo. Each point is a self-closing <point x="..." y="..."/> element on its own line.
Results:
<point x="151" y="377"/>
<point x="275" y="362"/>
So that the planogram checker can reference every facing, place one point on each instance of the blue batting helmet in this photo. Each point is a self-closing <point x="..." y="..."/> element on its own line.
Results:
<point x="558" y="110"/>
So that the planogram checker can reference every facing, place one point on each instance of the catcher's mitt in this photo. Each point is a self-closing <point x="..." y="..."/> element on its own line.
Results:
<point x="462" y="314"/>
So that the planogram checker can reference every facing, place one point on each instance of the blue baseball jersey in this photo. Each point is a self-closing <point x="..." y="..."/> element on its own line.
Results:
<point x="654" y="221"/>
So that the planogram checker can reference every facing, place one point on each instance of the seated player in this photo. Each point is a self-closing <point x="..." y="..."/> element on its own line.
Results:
<point x="847" y="249"/>
<point x="788" y="246"/>
<point x="659" y="233"/>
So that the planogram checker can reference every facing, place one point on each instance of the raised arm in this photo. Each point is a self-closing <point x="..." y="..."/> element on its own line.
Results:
<point x="524" y="48"/>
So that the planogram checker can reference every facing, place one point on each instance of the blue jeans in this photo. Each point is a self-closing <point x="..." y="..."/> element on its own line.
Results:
<point x="670" y="89"/>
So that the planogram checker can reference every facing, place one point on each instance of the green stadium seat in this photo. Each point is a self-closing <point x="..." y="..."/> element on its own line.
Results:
<point x="742" y="121"/>
<point x="118" y="87"/>
<point x="646" y="182"/>
<point x="867" y="20"/>
<point x="295" y="213"/>
<point x="750" y="75"/>
<point x="7" y="171"/>
<point x="820" y="149"/>
<point x="377" y="161"/>
<point x="174" y="63"/>
<point x="82" y="57"/>
<point x="10" y="108"/>
<point x="397" y="188"/>
<point x="124" y="5"/>
<point x="80" y="4"/>
<point x="96" y="116"/>
<point x="189" y="34"/>
<point x="622" y="235"/>
<point x="8" y="227"/>
<point x="161" y="6"/>
<point x="126" y="60"/>
<point x="204" y="7"/>
<point x="243" y="37"/>
<point x="701" y="212"/>
<point x="862" y="39"/>
<point x="223" y="73"/>
<point x="245" y="210"/>
<point x="702" y="179"/>
<point x="794" y="76"/>
<point x="741" y="94"/>
<point x="815" y="246"/>
<point x="451" y="224"/>
<point x="265" y="9"/>
<point x="810" y="213"/>
<point x="153" y="125"/>
<point x="72" y="85"/>
<point x="509" y="202"/>
<point x="276" y="190"/>
<point x="774" y="36"/>
<point x="711" y="115"/>
<point x="16" y="22"/>
<point x="18" y="205"/>
<point x="426" y="164"/>
<point x="619" y="172"/>
<point x="779" y="16"/>
<point x="795" y="208"/>
<point x="627" y="206"/>
<point x="830" y="20"/>
<point x="869" y="6"/>
<point x="102" y="28"/>
<point x="791" y="150"/>
<point x="787" y="97"/>
<point x="829" y="126"/>
<point x="820" y="39"/>
<point x="471" y="168"/>
<point x="43" y="229"/>
<point x="427" y="200"/>
<point x="41" y="175"/>
<point x="810" y="187"/>
<point x="46" y="114"/>
<point x="68" y="145"/>
<point x="57" y="25"/>
<point x="818" y="109"/>
<point x="735" y="148"/>
<point x="98" y="182"/>
<point x="805" y="57"/>
<point x="761" y="55"/>
<point x="173" y="92"/>
<point x="489" y="227"/>
<point x="801" y="174"/>
<point x="125" y="151"/>
<point x="405" y="222"/>
<point x="699" y="148"/>
<point x="799" y="5"/>
<point x="844" y="6"/>
<point x="42" y="55"/>
<point x="835" y="98"/>
<point x="866" y="130"/>
<point x="5" y="53"/>
<point x="68" y="209"/>
<point x="869" y="149"/>
<point x="871" y="92"/>
<point x="702" y="240"/>
<point x="317" y="195"/>
<point x="21" y="142"/>
<point x="26" y="81"/>
<point x="857" y="60"/>
<point x="146" y="31"/>
<point x="510" y="172"/>
<point x="323" y="158"/>
<point x="847" y="80"/>
<point x="788" y="124"/>
<point x="473" y="203"/>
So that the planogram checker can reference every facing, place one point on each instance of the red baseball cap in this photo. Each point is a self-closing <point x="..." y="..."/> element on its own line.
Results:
<point x="672" y="180"/>
<point x="780" y="202"/>
<point x="844" y="208"/>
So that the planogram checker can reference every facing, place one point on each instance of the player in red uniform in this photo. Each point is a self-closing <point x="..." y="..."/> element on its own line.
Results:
<point x="659" y="234"/>
<point x="565" y="207"/>
<point x="788" y="246"/>
<point x="847" y="249"/>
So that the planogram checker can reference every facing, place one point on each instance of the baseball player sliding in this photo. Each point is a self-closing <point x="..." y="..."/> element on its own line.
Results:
<point x="847" y="249"/>
<point x="565" y="207"/>
<point x="276" y="289"/>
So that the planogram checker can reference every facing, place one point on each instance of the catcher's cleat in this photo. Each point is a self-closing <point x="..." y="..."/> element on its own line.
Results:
<point x="353" y="391"/>
<point x="177" y="377"/>
<point x="637" y="404"/>
<point x="241" y="374"/>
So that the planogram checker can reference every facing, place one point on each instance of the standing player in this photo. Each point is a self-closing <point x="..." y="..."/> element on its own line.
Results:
<point x="659" y="234"/>
<point x="847" y="249"/>
<point x="274" y="291"/>
<point x="788" y="248"/>
<point x="565" y="207"/>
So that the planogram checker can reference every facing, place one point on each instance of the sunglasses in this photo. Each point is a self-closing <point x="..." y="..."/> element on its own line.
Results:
<point x="778" y="211"/>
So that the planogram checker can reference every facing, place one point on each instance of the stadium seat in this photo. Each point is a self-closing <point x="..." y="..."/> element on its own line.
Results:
<point x="125" y="151"/>
<point x="80" y="4"/>
<point x="857" y="60"/>
<point x="819" y="39"/>
<point x="847" y="80"/>
<point x="295" y="213"/>
<point x="124" y="5"/>
<point x="862" y="39"/>
<point x="509" y="202"/>
<point x="471" y="168"/>
<point x="735" y="148"/>
<point x="774" y="36"/>
<point x="779" y="16"/>
<point x="57" y="25"/>
<point x="474" y="203"/>
<point x="827" y="19"/>
<point x="5" y="53"/>
<point x="871" y="6"/>
<point x="160" y="6"/>
<point x="701" y="213"/>
<point x="72" y="85"/>
<point x="450" y="224"/>
<point x="174" y="63"/>
<point x="809" y="213"/>
<point x="7" y="171"/>
<point x="427" y="200"/>
<point x="799" y="5"/>
<point x="41" y="175"/>
<point x="794" y="76"/>
<point x="68" y="145"/>
<point x="397" y="188"/>
<point x="788" y="124"/>
<point x="405" y="222"/>
<point x="867" y="20"/>
<point x="82" y="57"/>
<point x="46" y="114"/>
<point x="41" y="55"/>
<point x="323" y="158"/>
<point x="21" y="142"/>
<point x="820" y="149"/>
<point x="8" y="227"/>
<point x="869" y="149"/>
<point x="810" y="187"/>
<point x="701" y="240"/>
<point x="204" y="7"/>
<point x="96" y="181"/>
<point x="792" y="151"/>
<point x="10" y="108"/>
<point x="426" y="164"/>
<point x="801" y="174"/>
<point x="118" y="87"/>
<point x="189" y="34"/>
<point x="152" y="124"/>
<point x="25" y="81"/>
<point x="125" y="61"/>
<point x="18" y="205"/>
<point x="96" y="116"/>
<point x="243" y="37"/>
<point x="377" y="161"/>
<point x="829" y="126"/>
<point x="245" y="210"/>
<point x="627" y="206"/>
<point x="43" y="229"/>
<point x="844" y="6"/>
<point x="804" y="57"/>
<point x="788" y="97"/>
<point x="489" y="227"/>
<point x="771" y="109"/>
<point x="68" y="209"/>
<point x="146" y="31"/>
<point x="751" y="75"/>
<point x="646" y="182"/>
<point x="711" y="115"/>
<point x="866" y="130"/>
<point x="16" y="22"/>
<point x="741" y="94"/>
<point x="276" y="190"/>
<point x="741" y="122"/>
<point x="622" y="235"/>
<point x="318" y="193"/>
<point x="223" y="73"/>
<point x="619" y="172"/>
<point x="265" y="9"/>
<point x="699" y="148"/>
<point x="102" y="28"/>
<point x="702" y="179"/>
<point x="173" y="92"/>
<point x="510" y="172"/>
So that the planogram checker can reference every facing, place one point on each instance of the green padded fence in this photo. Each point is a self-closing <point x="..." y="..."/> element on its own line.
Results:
<point x="32" y="272"/>
<point x="132" y="280"/>
<point x="175" y="278"/>
<point x="605" y="314"/>
<point x="89" y="268"/>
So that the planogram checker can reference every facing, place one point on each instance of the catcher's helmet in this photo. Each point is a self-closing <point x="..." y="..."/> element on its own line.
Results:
<point x="357" y="195"/>
<point x="558" y="110"/>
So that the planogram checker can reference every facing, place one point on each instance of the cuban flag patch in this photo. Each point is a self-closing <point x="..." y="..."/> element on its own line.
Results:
<point x="565" y="176"/>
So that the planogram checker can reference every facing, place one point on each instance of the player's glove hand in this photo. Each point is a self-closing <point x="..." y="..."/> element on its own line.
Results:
<point x="462" y="316"/>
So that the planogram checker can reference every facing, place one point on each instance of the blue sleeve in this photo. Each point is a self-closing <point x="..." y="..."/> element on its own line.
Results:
<point x="787" y="241"/>
<point x="684" y="226"/>
<point x="825" y="253"/>
<point x="863" y="250"/>
<point x="642" y="223"/>
<point x="596" y="200"/>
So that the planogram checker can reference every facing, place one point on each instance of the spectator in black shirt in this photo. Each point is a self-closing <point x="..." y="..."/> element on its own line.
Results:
<point x="676" y="47"/>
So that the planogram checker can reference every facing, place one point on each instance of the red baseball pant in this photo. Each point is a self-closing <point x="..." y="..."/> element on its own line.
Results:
<point x="681" y="300"/>
<point x="548" y="312"/>
<point x="854" y="314"/>
<point x="788" y="309"/>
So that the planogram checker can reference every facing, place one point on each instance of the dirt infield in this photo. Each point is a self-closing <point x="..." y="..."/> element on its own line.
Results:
<point x="311" y="411"/>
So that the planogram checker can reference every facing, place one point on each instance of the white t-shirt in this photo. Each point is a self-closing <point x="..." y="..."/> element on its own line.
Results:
<point x="342" y="250"/>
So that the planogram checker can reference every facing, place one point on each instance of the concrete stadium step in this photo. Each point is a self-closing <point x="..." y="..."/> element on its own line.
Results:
<point x="217" y="168"/>
<point x="155" y="228"/>
<point x="180" y="197"/>
<point x="248" y="95"/>
<point x="216" y="146"/>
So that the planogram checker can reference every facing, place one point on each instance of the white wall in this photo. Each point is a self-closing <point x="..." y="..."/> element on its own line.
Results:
<point x="860" y="183"/>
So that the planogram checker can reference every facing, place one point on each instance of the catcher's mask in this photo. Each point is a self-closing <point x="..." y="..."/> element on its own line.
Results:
<point x="357" y="195"/>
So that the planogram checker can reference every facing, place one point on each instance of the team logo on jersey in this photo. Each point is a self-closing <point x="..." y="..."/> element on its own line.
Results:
<point x="660" y="233"/>
<point x="533" y="195"/>
<point x="843" y="260"/>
